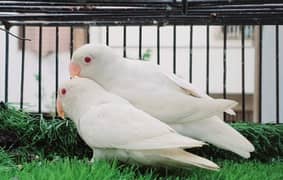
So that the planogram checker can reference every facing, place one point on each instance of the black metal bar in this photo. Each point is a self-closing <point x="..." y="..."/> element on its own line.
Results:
<point x="87" y="34"/>
<point x="39" y="68"/>
<point x="6" y="63"/>
<point x="92" y="8"/>
<point x="140" y="42"/>
<point x="277" y="74"/>
<point x="174" y="49"/>
<point x="185" y="6"/>
<point x="56" y="65"/>
<point x="260" y="75"/>
<point x="158" y="45"/>
<point x="107" y="35"/>
<point x="23" y="67"/>
<point x="224" y="63"/>
<point x="124" y="41"/>
<point x="132" y="12"/>
<point x="191" y="54"/>
<point x="162" y="18"/>
<point x="207" y="59"/>
<point x="194" y="19"/>
<point x="243" y="73"/>
<point x="95" y="2"/>
<point x="71" y="41"/>
<point x="145" y="2"/>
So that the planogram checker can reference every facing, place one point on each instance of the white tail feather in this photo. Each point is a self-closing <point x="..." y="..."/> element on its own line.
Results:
<point x="213" y="130"/>
<point x="182" y="159"/>
<point x="172" y="140"/>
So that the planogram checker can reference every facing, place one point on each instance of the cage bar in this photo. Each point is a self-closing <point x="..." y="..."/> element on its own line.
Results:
<point x="158" y="45"/>
<point x="277" y="72"/>
<point x="71" y="41"/>
<point x="6" y="63"/>
<point x="124" y="41"/>
<point x="107" y="35"/>
<point x="260" y="76"/>
<point x="23" y="68"/>
<point x="56" y="64"/>
<point x="140" y="42"/>
<point x="39" y="68"/>
<point x="191" y="54"/>
<point x="207" y="59"/>
<point x="174" y="49"/>
<point x="243" y="72"/>
<point x="87" y="34"/>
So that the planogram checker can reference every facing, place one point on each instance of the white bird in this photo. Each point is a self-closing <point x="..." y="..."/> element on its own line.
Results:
<point x="165" y="97"/>
<point x="115" y="129"/>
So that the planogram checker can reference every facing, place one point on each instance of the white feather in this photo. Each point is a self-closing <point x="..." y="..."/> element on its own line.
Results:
<point x="120" y="125"/>
<point x="165" y="97"/>
<point x="113" y="128"/>
<point x="165" y="158"/>
<point x="217" y="132"/>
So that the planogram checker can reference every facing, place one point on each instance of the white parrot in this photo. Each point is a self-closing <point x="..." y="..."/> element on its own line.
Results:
<point x="115" y="129"/>
<point x="165" y="97"/>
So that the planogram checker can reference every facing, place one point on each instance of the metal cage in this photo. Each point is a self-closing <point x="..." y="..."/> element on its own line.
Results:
<point x="234" y="16"/>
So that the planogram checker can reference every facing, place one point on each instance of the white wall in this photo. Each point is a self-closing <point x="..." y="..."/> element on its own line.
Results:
<point x="269" y="75"/>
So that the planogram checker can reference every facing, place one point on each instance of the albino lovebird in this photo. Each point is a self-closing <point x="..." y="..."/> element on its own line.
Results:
<point x="165" y="97"/>
<point x="115" y="129"/>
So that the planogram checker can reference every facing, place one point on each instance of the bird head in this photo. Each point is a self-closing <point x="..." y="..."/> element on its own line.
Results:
<point x="89" y="59"/>
<point x="75" y="97"/>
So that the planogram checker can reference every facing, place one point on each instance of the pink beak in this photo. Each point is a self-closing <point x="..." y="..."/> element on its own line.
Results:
<point x="60" y="110"/>
<point x="74" y="70"/>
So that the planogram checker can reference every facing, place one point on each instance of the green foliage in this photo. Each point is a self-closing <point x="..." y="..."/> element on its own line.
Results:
<point x="70" y="169"/>
<point x="6" y="162"/>
<point x="147" y="54"/>
<point x="37" y="137"/>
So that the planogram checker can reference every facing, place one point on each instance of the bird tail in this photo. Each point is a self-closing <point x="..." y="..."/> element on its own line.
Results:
<point x="206" y="108"/>
<point x="213" y="130"/>
<point x="179" y="158"/>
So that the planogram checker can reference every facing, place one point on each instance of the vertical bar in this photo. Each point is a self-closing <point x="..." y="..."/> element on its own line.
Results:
<point x="124" y="41"/>
<point x="260" y="75"/>
<point x="87" y="34"/>
<point x="56" y="64"/>
<point x="277" y="73"/>
<point x="140" y="42"/>
<point x="243" y="74"/>
<point x="6" y="63"/>
<point x="158" y="45"/>
<point x="39" y="68"/>
<point x="185" y="6"/>
<point x="174" y="49"/>
<point x="191" y="53"/>
<point x="23" y="67"/>
<point x="107" y="35"/>
<point x="71" y="41"/>
<point x="207" y="59"/>
<point x="224" y="63"/>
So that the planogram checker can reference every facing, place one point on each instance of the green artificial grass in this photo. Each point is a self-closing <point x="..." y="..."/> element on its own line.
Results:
<point x="74" y="169"/>
<point x="36" y="136"/>
<point x="27" y="137"/>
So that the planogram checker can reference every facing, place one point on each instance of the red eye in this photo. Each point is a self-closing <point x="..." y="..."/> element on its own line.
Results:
<point x="63" y="91"/>
<point x="87" y="59"/>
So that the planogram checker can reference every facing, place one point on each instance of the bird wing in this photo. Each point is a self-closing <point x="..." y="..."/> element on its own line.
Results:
<point x="120" y="125"/>
<point x="192" y="90"/>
